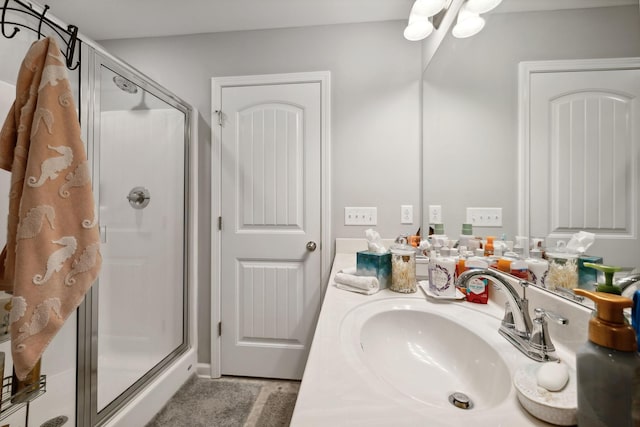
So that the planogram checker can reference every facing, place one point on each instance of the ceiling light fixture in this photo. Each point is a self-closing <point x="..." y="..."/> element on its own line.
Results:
<point x="468" y="23"/>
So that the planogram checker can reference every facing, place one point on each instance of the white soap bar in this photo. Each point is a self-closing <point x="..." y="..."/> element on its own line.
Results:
<point x="553" y="376"/>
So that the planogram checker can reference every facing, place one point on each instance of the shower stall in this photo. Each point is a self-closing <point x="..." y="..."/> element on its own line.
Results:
<point x="140" y="162"/>
<point x="131" y="344"/>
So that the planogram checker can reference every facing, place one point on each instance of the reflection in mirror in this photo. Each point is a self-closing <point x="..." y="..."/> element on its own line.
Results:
<point x="472" y="155"/>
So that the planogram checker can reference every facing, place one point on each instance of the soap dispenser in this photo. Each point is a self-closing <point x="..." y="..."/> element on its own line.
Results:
<point x="608" y="271"/>
<point x="608" y="366"/>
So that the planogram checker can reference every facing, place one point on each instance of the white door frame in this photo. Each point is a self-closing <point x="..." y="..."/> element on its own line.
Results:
<point x="217" y="83"/>
<point x="525" y="71"/>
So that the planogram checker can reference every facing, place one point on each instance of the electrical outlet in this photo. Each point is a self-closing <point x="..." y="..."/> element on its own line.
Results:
<point x="406" y="214"/>
<point x="484" y="217"/>
<point x="360" y="216"/>
<point x="435" y="214"/>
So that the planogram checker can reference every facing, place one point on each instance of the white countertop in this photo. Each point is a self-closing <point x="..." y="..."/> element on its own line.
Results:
<point x="337" y="392"/>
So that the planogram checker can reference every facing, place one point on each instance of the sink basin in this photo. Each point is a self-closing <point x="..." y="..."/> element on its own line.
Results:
<point x="427" y="353"/>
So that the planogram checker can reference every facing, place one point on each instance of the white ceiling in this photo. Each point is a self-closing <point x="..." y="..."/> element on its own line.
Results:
<point x="113" y="19"/>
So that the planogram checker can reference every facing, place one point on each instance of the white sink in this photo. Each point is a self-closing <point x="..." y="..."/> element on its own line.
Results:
<point x="427" y="353"/>
<point x="392" y="359"/>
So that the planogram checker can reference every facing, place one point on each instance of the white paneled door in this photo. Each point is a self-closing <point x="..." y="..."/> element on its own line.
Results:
<point x="270" y="278"/>
<point x="584" y="151"/>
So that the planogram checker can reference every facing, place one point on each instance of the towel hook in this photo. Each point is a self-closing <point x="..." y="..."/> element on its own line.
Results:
<point x="15" y="29"/>
<point x="44" y="23"/>
<point x="71" y="47"/>
<point x="44" y="11"/>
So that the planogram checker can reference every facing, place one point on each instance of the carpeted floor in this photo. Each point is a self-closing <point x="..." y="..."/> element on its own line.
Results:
<point x="230" y="402"/>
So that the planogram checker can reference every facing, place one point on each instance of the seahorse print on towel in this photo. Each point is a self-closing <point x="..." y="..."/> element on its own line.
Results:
<point x="29" y="105"/>
<point x="77" y="178"/>
<point x="65" y="99"/>
<point x="83" y="264"/>
<point x="31" y="224"/>
<point x="18" y="167"/>
<point x="18" y="308"/>
<point x="52" y="166"/>
<point x="45" y="116"/>
<point x="90" y="223"/>
<point x="57" y="259"/>
<point x="52" y="74"/>
<point x="39" y="320"/>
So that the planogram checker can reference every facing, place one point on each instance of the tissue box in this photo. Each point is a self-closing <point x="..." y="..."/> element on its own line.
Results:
<point x="376" y="265"/>
<point x="587" y="276"/>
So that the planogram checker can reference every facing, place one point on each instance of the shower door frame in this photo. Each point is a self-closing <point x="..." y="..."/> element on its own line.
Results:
<point x="87" y="363"/>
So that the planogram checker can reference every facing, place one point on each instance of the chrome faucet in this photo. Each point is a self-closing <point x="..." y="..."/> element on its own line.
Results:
<point x="627" y="281"/>
<point x="517" y="327"/>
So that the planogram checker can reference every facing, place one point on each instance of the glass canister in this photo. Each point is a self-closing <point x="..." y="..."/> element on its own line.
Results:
<point x="403" y="270"/>
<point x="563" y="271"/>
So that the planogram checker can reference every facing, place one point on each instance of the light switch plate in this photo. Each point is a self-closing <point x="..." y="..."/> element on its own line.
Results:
<point x="484" y="217"/>
<point x="360" y="216"/>
<point x="406" y="214"/>
<point x="435" y="214"/>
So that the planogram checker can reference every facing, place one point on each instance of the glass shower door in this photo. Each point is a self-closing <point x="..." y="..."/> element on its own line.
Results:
<point x="140" y="161"/>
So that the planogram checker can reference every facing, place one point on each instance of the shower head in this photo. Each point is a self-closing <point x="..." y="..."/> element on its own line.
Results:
<point x="125" y="84"/>
<point x="142" y="105"/>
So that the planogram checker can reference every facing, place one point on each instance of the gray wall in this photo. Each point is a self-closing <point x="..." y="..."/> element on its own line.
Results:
<point x="471" y="102"/>
<point x="375" y="76"/>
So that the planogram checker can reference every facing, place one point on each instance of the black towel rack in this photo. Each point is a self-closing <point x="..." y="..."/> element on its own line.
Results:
<point x="69" y="35"/>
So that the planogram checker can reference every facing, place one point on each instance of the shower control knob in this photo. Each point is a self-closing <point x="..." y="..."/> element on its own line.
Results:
<point x="139" y="197"/>
<point x="311" y="246"/>
<point x="136" y="197"/>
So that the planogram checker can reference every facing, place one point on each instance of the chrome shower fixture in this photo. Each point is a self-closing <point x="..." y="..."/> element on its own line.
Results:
<point x="125" y="85"/>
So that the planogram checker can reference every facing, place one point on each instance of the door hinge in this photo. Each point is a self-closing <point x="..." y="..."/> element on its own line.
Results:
<point x="219" y="113"/>
<point x="220" y="223"/>
<point x="219" y="329"/>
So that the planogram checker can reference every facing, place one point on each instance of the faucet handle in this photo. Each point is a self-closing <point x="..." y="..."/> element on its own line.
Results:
<point x="541" y="313"/>
<point x="540" y="340"/>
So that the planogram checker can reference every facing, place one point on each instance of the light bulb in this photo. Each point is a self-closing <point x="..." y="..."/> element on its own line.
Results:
<point x="482" y="6"/>
<point x="467" y="24"/>
<point x="418" y="28"/>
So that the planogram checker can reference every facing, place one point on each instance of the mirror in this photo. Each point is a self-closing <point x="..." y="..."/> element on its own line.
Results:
<point x="471" y="125"/>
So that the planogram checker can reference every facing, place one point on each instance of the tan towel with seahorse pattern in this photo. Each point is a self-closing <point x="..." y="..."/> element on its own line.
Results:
<point x="53" y="246"/>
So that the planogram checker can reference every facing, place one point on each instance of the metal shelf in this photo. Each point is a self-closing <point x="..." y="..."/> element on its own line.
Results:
<point x="12" y="403"/>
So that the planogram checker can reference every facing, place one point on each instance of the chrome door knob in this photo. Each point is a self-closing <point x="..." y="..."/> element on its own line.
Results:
<point x="311" y="246"/>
